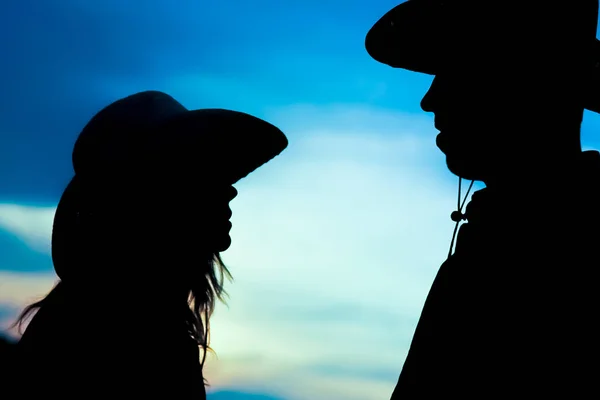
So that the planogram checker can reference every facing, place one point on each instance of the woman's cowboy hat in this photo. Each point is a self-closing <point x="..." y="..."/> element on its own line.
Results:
<point x="122" y="134"/>
<point x="151" y="130"/>
<point x="410" y="36"/>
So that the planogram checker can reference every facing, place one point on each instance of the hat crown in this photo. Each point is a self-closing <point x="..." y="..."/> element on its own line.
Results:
<point x="116" y="131"/>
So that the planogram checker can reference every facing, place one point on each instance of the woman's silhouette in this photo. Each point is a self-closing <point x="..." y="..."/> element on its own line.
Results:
<point x="136" y="242"/>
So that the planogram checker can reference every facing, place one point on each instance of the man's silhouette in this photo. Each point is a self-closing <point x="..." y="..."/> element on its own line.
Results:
<point x="136" y="242"/>
<point x="512" y="313"/>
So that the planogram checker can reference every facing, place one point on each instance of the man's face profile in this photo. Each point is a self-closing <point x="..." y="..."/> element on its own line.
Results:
<point x="491" y="101"/>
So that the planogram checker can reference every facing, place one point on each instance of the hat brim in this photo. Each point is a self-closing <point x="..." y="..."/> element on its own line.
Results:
<point x="233" y="142"/>
<point x="408" y="36"/>
<point x="592" y="99"/>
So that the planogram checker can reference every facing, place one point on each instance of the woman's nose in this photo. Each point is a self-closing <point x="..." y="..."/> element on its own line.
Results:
<point x="232" y="193"/>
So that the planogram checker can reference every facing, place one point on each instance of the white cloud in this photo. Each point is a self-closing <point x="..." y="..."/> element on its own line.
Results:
<point x="32" y="224"/>
<point x="18" y="288"/>
<point x="335" y="245"/>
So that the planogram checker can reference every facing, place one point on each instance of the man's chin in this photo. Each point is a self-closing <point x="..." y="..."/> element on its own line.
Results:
<point x="466" y="169"/>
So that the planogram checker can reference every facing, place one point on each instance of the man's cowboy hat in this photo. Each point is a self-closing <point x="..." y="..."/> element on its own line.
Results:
<point x="151" y="127"/>
<point x="409" y="37"/>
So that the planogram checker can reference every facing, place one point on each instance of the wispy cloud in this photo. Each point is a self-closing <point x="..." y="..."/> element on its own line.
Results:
<point x="17" y="289"/>
<point x="32" y="224"/>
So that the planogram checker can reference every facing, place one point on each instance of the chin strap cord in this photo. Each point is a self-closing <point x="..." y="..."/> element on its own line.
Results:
<point x="457" y="215"/>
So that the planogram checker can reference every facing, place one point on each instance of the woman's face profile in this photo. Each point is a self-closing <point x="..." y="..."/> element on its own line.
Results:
<point x="184" y="214"/>
<point x="202" y="215"/>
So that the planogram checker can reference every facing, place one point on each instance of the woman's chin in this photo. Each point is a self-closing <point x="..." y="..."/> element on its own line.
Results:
<point x="222" y="243"/>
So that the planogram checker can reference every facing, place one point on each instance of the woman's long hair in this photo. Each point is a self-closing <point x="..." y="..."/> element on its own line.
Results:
<point x="205" y="290"/>
<point x="202" y="299"/>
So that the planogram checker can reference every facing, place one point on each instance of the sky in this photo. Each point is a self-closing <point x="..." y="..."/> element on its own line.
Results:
<point x="335" y="242"/>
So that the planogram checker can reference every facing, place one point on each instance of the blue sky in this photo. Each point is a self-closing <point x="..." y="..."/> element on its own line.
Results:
<point x="358" y="203"/>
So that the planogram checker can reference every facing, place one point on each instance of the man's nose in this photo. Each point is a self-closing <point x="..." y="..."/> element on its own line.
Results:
<point x="429" y="100"/>
<point x="426" y="102"/>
